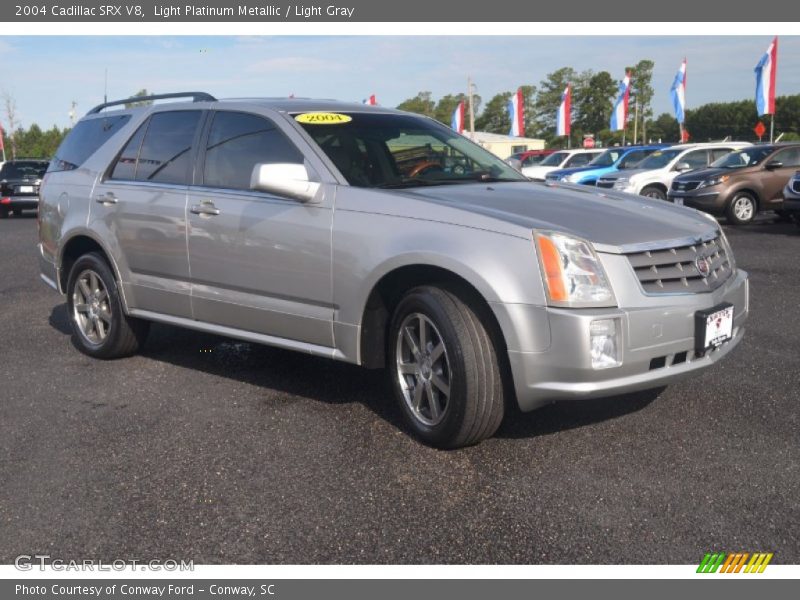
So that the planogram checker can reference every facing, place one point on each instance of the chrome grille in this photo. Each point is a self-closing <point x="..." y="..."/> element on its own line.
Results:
<point x="684" y="186"/>
<point x="675" y="270"/>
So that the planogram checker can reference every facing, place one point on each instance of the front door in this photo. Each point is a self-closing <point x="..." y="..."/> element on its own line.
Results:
<point x="259" y="262"/>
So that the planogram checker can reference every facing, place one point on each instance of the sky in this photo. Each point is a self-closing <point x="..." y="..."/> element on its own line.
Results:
<point x="45" y="74"/>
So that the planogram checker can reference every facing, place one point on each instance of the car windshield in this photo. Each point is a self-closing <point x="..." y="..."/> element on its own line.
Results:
<point x="401" y="151"/>
<point x="748" y="157"/>
<point x="23" y="170"/>
<point x="554" y="159"/>
<point x="606" y="159"/>
<point x="659" y="159"/>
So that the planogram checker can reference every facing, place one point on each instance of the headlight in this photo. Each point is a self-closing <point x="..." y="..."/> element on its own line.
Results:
<point x="728" y="250"/>
<point x="713" y="181"/>
<point x="572" y="273"/>
<point x="574" y="178"/>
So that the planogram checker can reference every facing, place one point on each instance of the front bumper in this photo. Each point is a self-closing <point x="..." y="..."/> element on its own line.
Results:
<point x="657" y="347"/>
<point x="708" y="201"/>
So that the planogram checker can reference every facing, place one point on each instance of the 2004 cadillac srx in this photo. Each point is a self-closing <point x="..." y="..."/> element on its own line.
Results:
<point x="384" y="239"/>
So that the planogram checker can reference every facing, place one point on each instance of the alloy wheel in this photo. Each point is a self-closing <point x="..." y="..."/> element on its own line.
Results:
<point x="423" y="369"/>
<point x="91" y="309"/>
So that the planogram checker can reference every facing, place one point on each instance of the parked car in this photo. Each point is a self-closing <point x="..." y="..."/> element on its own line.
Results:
<point x="791" y="198"/>
<point x="287" y="222"/>
<point x="610" y="161"/>
<point x="740" y="184"/>
<point x="529" y="158"/>
<point x="653" y="176"/>
<point x="19" y="185"/>
<point x="559" y="160"/>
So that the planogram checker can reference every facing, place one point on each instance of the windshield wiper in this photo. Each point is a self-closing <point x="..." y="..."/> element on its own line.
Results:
<point x="412" y="182"/>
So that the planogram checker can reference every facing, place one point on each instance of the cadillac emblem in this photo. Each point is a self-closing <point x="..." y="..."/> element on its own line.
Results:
<point x="703" y="266"/>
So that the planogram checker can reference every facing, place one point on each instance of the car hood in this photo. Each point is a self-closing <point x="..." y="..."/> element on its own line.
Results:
<point x="700" y="174"/>
<point x="614" y="222"/>
<point x="627" y="173"/>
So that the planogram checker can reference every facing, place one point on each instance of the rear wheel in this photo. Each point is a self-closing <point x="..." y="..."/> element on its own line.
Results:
<point x="655" y="192"/>
<point x="742" y="209"/>
<point x="100" y="326"/>
<point x="444" y="369"/>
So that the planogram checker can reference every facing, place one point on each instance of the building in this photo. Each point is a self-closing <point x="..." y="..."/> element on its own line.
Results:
<point x="504" y="145"/>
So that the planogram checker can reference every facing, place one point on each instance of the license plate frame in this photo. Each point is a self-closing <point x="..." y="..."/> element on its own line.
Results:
<point x="713" y="327"/>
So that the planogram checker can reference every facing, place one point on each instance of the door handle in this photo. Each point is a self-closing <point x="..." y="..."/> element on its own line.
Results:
<point x="107" y="198"/>
<point x="205" y="209"/>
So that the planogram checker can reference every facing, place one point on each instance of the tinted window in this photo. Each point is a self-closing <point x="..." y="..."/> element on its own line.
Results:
<point x="717" y="153"/>
<point x="533" y="159"/>
<point x="165" y="154"/>
<point x="84" y="140"/>
<point x="658" y="159"/>
<point x="554" y="160"/>
<point x="23" y="170"/>
<point x="579" y="160"/>
<point x="696" y="158"/>
<point x="125" y="168"/>
<point x="239" y="141"/>
<point x="402" y="151"/>
<point x="633" y="158"/>
<point x="789" y="157"/>
<point x="747" y="157"/>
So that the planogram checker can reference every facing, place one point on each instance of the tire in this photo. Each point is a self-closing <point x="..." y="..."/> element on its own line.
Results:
<point x="654" y="192"/>
<point x="742" y="209"/>
<point x="460" y="398"/>
<point x="100" y="326"/>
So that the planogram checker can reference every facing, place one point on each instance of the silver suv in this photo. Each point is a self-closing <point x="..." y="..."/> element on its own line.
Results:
<point x="380" y="238"/>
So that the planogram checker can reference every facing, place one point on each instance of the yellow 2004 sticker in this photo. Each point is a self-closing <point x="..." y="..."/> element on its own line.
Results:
<point x="323" y="118"/>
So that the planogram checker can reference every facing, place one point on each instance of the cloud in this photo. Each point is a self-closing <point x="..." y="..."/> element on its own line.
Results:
<point x="292" y="64"/>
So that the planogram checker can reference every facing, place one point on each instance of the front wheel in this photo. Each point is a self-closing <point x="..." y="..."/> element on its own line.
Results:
<point x="100" y="326"/>
<point x="742" y="209"/>
<point x="444" y="369"/>
<point x="654" y="192"/>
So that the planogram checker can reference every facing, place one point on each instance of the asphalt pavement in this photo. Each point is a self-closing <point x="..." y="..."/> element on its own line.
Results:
<point x="218" y="451"/>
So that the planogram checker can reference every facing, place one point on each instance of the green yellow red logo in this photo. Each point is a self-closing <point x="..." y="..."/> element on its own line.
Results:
<point x="734" y="562"/>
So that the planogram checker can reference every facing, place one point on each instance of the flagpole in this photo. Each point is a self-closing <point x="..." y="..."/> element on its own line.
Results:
<point x="771" y="128"/>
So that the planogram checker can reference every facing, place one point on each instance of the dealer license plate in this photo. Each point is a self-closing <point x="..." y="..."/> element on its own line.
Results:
<point x="713" y="327"/>
<point x="25" y="189"/>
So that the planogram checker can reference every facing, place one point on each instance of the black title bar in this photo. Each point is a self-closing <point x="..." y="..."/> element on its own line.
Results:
<point x="338" y="11"/>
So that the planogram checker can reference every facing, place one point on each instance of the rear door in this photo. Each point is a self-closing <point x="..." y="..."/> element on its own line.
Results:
<point x="259" y="262"/>
<point x="141" y="202"/>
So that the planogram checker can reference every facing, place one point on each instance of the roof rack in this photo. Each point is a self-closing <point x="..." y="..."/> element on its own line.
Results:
<point x="195" y="96"/>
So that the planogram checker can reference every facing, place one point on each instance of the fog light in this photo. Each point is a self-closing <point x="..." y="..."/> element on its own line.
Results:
<point x="604" y="344"/>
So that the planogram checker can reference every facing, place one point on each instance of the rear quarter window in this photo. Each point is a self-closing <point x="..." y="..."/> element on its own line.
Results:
<point x="84" y="140"/>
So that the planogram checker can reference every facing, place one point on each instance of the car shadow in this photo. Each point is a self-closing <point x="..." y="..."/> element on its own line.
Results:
<point x="769" y="226"/>
<point x="334" y="382"/>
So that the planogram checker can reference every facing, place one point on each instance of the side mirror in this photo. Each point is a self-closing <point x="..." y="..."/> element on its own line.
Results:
<point x="683" y="166"/>
<point x="773" y="164"/>
<point x="284" y="179"/>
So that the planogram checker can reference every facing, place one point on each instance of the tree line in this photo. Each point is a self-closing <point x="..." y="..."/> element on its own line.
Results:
<point x="592" y="97"/>
<point x="593" y="94"/>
